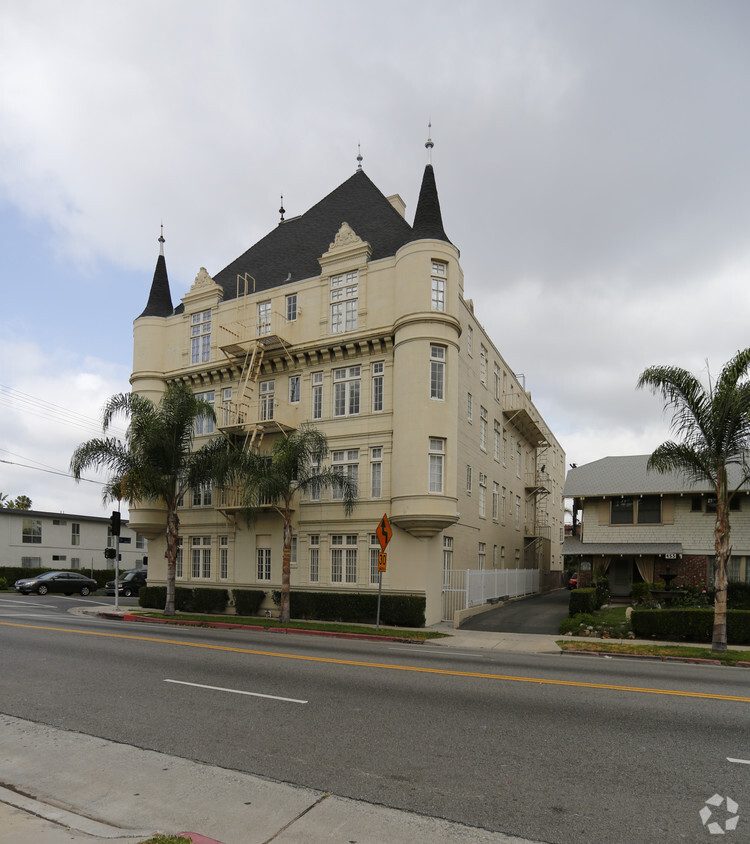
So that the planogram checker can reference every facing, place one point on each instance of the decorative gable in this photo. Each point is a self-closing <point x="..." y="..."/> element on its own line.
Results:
<point x="204" y="293"/>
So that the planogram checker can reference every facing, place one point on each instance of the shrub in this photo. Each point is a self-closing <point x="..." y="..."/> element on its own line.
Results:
<point x="357" y="607"/>
<point x="582" y="600"/>
<point x="692" y="625"/>
<point x="738" y="595"/>
<point x="3" y="583"/>
<point x="198" y="600"/>
<point x="576" y="623"/>
<point x="247" y="601"/>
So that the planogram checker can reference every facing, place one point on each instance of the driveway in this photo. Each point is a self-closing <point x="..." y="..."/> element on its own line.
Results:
<point x="537" y="614"/>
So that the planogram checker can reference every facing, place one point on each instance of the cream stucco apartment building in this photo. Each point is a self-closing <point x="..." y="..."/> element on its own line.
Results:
<point x="354" y="320"/>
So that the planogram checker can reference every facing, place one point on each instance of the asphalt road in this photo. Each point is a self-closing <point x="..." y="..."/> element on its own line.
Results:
<point x="549" y="748"/>
<point x="537" y="614"/>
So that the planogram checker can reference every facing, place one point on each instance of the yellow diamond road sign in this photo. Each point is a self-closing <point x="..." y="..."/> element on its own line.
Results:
<point x="384" y="532"/>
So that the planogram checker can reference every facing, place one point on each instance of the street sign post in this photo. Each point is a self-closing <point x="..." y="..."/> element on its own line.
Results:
<point x="384" y="532"/>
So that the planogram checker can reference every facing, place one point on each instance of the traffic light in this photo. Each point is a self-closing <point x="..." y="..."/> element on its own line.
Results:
<point x="109" y="553"/>
<point x="114" y="523"/>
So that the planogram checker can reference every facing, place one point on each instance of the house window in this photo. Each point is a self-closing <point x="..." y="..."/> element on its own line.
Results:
<point x="437" y="372"/>
<point x="482" y="494"/>
<point x="200" y="337"/>
<point x="518" y="512"/>
<point x="75" y="562"/>
<point x="204" y="424"/>
<point x="649" y="510"/>
<point x="294" y="388"/>
<point x="483" y="365"/>
<point x="494" y="556"/>
<point x="348" y="462"/>
<point x="483" y="428"/>
<point x="502" y="507"/>
<point x="376" y="472"/>
<point x="344" y="297"/>
<point x="264" y="563"/>
<point x="317" y="395"/>
<point x="291" y="307"/>
<point x="469" y="407"/>
<point x="140" y="542"/>
<point x="469" y="340"/>
<point x="314" y="487"/>
<point x="201" y="556"/>
<point x="621" y="510"/>
<point x="502" y="556"/>
<point x="346" y="386"/>
<point x="293" y="550"/>
<point x="314" y="557"/>
<point x="267" y="390"/>
<point x="374" y="552"/>
<point x="377" y="386"/>
<point x="223" y="557"/>
<point x="227" y="412"/>
<point x="178" y="565"/>
<point x="496" y="373"/>
<point x="447" y="558"/>
<point x="439" y="273"/>
<point x="495" y="500"/>
<point x="202" y="495"/>
<point x="496" y="447"/>
<point x="436" y="459"/>
<point x="518" y="461"/>
<point x="518" y="558"/>
<point x="59" y="558"/>
<point x="469" y="477"/>
<point x="31" y="562"/>
<point x="481" y="554"/>
<point x="264" y="319"/>
<point x="505" y="446"/>
<point x="31" y="531"/>
<point x="75" y="533"/>
<point x="344" y="558"/>
<point x="733" y="572"/>
<point x="710" y="503"/>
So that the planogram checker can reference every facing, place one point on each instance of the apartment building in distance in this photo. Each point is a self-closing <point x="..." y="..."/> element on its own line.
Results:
<point x="352" y="319"/>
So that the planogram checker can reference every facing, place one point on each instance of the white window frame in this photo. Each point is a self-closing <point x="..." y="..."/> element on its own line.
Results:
<point x="264" y="318"/>
<point x="75" y="533"/>
<point x="469" y="478"/>
<point x="291" y="307"/>
<point x="266" y="397"/>
<point x="481" y="555"/>
<point x="469" y="407"/>
<point x="200" y="557"/>
<point x="347" y="460"/>
<point x="483" y="365"/>
<point x="470" y="340"/>
<point x="483" y="428"/>
<point x="436" y="466"/>
<point x="344" y="296"/>
<point x="495" y="500"/>
<point x="482" y="494"/>
<point x="438" y="355"/>
<point x="376" y="472"/>
<point x="204" y="424"/>
<point x="378" y="370"/>
<point x="314" y="558"/>
<point x="347" y="389"/>
<point x="374" y="559"/>
<point x="31" y="531"/>
<point x="263" y="558"/>
<point x="317" y="395"/>
<point x="295" y="387"/>
<point x="200" y="337"/>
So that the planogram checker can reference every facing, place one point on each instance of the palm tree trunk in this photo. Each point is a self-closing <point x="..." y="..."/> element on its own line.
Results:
<point x="284" y="606"/>
<point x="723" y="552"/>
<point x="173" y="529"/>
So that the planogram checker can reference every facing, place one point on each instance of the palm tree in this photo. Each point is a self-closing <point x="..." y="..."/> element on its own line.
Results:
<point x="156" y="462"/>
<point x="294" y="465"/>
<point x="714" y="428"/>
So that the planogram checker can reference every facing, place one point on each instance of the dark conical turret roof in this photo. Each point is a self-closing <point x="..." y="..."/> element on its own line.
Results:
<point x="159" y="299"/>
<point x="428" y="222"/>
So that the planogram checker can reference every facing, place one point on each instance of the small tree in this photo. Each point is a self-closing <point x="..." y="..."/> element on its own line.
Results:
<point x="293" y="466"/>
<point x="714" y="428"/>
<point x="156" y="462"/>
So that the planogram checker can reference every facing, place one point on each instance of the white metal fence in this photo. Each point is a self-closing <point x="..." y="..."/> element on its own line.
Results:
<point x="464" y="588"/>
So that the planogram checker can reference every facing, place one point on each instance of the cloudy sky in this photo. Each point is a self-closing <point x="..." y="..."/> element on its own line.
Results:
<point x="592" y="160"/>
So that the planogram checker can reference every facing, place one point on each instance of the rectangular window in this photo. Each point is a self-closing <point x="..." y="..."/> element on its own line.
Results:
<point x="314" y="557"/>
<point x="469" y="340"/>
<point x="377" y="386"/>
<point x="202" y="496"/>
<point x="314" y="487"/>
<point x="447" y="558"/>
<point x="140" y="542"/>
<point x="518" y="461"/>
<point x="337" y="558"/>
<point x="294" y="388"/>
<point x="75" y="562"/>
<point x="483" y="428"/>
<point x="496" y="373"/>
<point x="483" y="365"/>
<point x="344" y="558"/>
<point x="293" y="550"/>
<point x="482" y="494"/>
<point x="31" y="531"/>
<point x="376" y="472"/>
<point x="351" y="559"/>
<point x="494" y="556"/>
<point x="621" y="510"/>
<point x="437" y="372"/>
<point x="469" y="407"/>
<point x="178" y="566"/>
<point x="481" y="555"/>
<point x="267" y="390"/>
<point x="495" y="500"/>
<point x="223" y="557"/>
<point x="374" y="552"/>
<point x="348" y="462"/>
<point x="649" y="510"/>
<point x="227" y="411"/>
<point x="317" y="395"/>
<point x="733" y="572"/>
<point x="518" y="558"/>
<point x="200" y="337"/>
<point x="75" y="533"/>
<point x="496" y="447"/>
<point x="696" y="504"/>
<point x="264" y="319"/>
<point x="518" y="512"/>
<point x="437" y="298"/>
<point x="469" y="478"/>
<point x="291" y="307"/>
<point x="201" y="556"/>
<point x="204" y="424"/>
<point x="344" y="296"/>
<point x="437" y="457"/>
<point x="264" y="563"/>
<point x="502" y="507"/>
<point x="346" y="387"/>
<point x="505" y="446"/>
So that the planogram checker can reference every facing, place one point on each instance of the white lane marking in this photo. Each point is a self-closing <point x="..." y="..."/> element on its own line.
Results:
<point x="739" y="761"/>
<point x="236" y="691"/>
<point x="418" y="651"/>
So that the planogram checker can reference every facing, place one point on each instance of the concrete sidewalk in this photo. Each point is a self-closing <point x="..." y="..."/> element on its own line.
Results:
<point x="63" y="787"/>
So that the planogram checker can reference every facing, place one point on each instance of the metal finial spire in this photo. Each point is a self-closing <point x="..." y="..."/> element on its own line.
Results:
<point x="161" y="240"/>
<point x="359" y="157"/>
<point x="429" y="145"/>
<point x="281" y="209"/>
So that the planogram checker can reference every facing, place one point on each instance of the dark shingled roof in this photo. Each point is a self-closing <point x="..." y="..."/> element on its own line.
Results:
<point x="294" y="246"/>
<point x="159" y="299"/>
<point x="428" y="221"/>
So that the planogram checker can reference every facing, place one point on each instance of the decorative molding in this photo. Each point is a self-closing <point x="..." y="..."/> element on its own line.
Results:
<point x="346" y="237"/>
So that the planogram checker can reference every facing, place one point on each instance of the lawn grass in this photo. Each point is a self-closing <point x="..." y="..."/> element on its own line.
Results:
<point x="732" y="657"/>
<point x="327" y="627"/>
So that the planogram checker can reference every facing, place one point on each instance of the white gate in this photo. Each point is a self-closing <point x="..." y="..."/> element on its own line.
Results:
<point x="464" y="588"/>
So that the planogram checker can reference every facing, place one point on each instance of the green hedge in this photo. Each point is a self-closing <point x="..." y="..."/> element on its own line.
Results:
<point x="582" y="600"/>
<point x="197" y="600"/>
<point x="738" y="595"/>
<point x="247" y="601"/>
<point x="692" y="625"/>
<point x="357" y="608"/>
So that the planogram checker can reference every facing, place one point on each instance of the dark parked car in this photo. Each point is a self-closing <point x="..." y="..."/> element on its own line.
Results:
<point x="129" y="583"/>
<point x="66" y="582"/>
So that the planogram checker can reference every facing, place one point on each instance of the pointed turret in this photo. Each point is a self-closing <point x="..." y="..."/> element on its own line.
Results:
<point x="159" y="299"/>
<point x="428" y="222"/>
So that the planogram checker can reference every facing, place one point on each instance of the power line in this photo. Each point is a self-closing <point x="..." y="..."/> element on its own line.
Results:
<point x="50" y="471"/>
